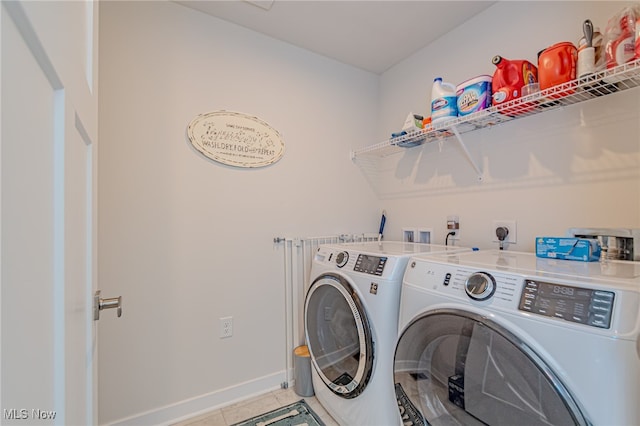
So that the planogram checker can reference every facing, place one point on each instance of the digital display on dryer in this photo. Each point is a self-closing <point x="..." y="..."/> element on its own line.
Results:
<point x="370" y="264"/>
<point x="575" y="304"/>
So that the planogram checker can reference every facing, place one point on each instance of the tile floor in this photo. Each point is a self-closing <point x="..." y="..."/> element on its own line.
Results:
<point x="254" y="406"/>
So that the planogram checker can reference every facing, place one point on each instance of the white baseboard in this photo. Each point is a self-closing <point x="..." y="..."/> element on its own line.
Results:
<point x="192" y="407"/>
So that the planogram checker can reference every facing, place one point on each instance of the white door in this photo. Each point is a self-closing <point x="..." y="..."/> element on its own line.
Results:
<point x="48" y="202"/>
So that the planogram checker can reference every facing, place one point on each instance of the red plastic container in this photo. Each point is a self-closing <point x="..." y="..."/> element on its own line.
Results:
<point x="509" y="77"/>
<point x="508" y="80"/>
<point x="557" y="65"/>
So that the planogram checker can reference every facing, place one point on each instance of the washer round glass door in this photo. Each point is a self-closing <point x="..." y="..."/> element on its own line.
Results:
<point x="338" y="335"/>
<point x="456" y="367"/>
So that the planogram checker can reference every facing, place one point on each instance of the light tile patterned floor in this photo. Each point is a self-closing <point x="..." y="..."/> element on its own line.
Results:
<point x="254" y="406"/>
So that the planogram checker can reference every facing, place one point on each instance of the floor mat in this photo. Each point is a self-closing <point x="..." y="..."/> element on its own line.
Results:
<point x="296" y="414"/>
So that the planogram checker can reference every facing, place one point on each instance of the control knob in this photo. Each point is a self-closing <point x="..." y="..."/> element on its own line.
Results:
<point x="480" y="286"/>
<point x="342" y="258"/>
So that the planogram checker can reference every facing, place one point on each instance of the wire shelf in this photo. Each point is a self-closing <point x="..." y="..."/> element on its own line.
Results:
<point x="602" y="83"/>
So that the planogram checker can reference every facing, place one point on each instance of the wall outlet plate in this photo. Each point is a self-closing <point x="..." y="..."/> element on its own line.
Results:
<point x="425" y="235"/>
<point x="453" y="225"/>
<point x="409" y="235"/>
<point x="510" y="225"/>
<point x="226" y="327"/>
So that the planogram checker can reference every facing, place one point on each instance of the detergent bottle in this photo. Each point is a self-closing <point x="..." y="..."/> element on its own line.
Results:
<point x="443" y="101"/>
<point x="557" y="64"/>
<point x="509" y="77"/>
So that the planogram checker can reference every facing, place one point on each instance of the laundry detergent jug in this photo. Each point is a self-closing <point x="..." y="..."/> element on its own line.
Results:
<point x="557" y="64"/>
<point x="443" y="101"/>
<point x="509" y="77"/>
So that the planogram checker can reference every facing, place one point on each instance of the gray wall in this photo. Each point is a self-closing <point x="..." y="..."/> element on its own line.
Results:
<point x="186" y="240"/>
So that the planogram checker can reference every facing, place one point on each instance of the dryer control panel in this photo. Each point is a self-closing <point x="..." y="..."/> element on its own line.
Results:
<point x="368" y="264"/>
<point x="384" y="267"/>
<point x="575" y="304"/>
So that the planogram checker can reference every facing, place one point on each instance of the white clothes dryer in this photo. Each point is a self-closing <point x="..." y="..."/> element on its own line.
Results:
<point x="351" y="327"/>
<point x="505" y="338"/>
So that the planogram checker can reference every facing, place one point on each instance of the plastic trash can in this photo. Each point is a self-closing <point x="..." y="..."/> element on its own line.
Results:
<point x="303" y="386"/>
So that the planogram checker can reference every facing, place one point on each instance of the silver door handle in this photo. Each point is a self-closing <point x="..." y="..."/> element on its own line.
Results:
<point x="100" y="304"/>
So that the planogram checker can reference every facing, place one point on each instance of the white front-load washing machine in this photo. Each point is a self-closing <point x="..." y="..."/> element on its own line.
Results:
<point x="351" y="327"/>
<point x="504" y="338"/>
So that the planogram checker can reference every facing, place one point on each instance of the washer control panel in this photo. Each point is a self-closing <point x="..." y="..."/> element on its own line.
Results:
<point x="480" y="286"/>
<point x="576" y="304"/>
<point x="571" y="301"/>
<point x="368" y="264"/>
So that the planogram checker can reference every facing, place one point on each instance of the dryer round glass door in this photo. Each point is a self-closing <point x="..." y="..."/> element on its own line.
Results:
<point x="338" y="335"/>
<point x="457" y="367"/>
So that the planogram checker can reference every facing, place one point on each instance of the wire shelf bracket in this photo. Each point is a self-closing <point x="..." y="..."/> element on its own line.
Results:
<point x="455" y="131"/>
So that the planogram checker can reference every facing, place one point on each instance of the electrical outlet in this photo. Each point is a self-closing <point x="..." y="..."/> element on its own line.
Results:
<point x="453" y="226"/>
<point x="511" y="227"/>
<point x="226" y="327"/>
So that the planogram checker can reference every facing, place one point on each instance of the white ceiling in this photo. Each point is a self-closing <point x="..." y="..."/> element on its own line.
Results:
<point x="371" y="35"/>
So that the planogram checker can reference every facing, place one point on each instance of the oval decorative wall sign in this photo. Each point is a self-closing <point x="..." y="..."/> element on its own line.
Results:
<point x="235" y="139"/>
